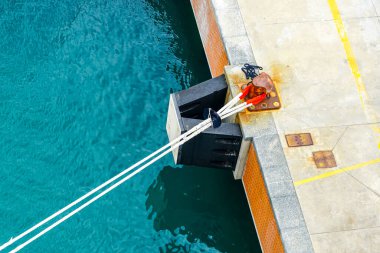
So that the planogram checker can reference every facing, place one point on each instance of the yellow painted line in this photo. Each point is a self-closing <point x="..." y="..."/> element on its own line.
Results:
<point x="335" y="172"/>
<point x="349" y="52"/>
<point x="351" y="59"/>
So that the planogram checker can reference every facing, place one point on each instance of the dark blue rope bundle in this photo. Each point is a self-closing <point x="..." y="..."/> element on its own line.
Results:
<point x="250" y="70"/>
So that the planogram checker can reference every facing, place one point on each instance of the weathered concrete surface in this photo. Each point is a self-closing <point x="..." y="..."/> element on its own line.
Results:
<point x="277" y="182"/>
<point x="325" y="58"/>
<point x="281" y="216"/>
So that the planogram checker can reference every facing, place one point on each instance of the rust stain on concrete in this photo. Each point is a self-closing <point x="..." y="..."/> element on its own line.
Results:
<point x="238" y="79"/>
<point x="276" y="72"/>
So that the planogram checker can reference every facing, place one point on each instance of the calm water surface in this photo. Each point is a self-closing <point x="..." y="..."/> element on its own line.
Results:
<point x="84" y="90"/>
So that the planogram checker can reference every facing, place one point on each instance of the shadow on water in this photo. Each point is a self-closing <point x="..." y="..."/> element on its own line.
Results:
<point x="69" y="71"/>
<point x="203" y="204"/>
<point x="190" y="66"/>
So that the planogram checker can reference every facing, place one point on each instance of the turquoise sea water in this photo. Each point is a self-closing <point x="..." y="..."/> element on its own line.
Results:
<point x="84" y="90"/>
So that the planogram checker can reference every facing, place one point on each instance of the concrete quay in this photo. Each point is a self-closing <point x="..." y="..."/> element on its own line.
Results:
<point x="318" y="191"/>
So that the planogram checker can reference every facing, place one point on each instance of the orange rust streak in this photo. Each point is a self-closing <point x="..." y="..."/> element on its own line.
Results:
<point x="210" y="35"/>
<point x="276" y="70"/>
<point x="260" y="206"/>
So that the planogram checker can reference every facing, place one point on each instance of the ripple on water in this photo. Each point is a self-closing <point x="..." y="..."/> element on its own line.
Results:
<point x="84" y="90"/>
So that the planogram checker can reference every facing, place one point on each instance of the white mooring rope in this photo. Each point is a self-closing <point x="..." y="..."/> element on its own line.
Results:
<point x="224" y="112"/>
